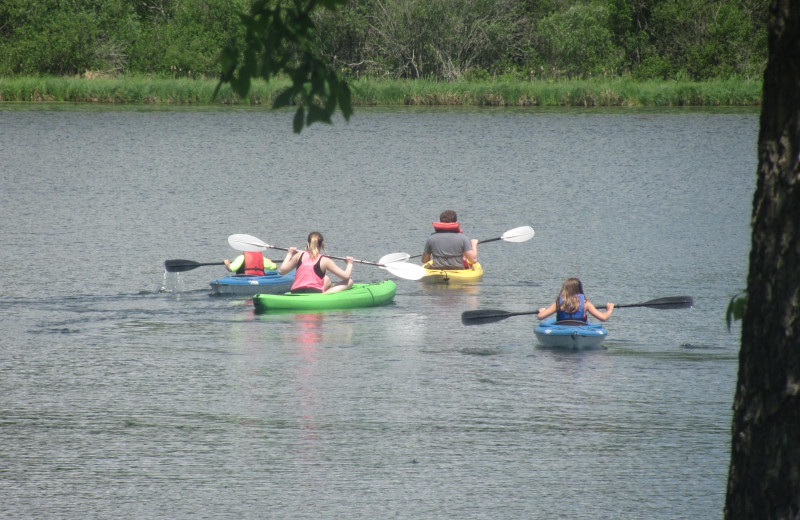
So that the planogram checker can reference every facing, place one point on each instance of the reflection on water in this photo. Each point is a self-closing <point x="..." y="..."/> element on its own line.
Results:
<point x="450" y="288"/>
<point x="309" y="329"/>
<point x="707" y="354"/>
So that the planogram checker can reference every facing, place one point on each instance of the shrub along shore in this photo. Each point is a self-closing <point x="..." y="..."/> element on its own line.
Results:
<point x="374" y="92"/>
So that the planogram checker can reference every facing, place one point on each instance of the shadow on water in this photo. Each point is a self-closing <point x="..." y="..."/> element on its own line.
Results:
<point x="683" y="352"/>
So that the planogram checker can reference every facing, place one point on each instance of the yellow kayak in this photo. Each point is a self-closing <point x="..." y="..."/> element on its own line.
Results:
<point x="433" y="275"/>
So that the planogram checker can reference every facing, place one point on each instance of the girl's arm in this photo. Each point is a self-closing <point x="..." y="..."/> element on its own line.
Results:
<point x="602" y="316"/>
<point x="290" y="261"/>
<point x="269" y="265"/>
<point x="329" y="265"/>
<point x="235" y="265"/>
<point x="546" y="311"/>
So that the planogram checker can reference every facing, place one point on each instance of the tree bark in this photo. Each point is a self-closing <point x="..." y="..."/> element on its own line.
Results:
<point x="764" y="477"/>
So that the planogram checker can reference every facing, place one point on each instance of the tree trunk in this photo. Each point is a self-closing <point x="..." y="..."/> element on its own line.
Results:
<point x="764" y="477"/>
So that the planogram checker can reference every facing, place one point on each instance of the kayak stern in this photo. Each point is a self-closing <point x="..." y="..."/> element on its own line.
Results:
<point x="247" y="285"/>
<point x="452" y="276"/>
<point x="571" y="334"/>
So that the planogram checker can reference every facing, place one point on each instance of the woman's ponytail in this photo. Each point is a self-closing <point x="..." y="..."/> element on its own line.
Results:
<point x="315" y="243"/>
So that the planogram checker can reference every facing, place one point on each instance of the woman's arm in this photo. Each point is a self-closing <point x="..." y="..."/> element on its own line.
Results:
<point x="329" y="265"/>
<point x="602" y="316"/>
<point x="290" y="261"/>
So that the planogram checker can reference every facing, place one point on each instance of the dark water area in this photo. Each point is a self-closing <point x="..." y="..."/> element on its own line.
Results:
<point x="129" y="392"/>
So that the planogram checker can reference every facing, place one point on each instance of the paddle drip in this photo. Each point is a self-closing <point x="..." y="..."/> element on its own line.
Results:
<point x="172" y="282"/>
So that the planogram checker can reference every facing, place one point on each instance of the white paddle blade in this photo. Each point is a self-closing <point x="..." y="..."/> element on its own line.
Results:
<point x="406" y="270"/>
<point x="394" y="257"/>
<point x="244" y="242"/>
<point x="520" y="234"/>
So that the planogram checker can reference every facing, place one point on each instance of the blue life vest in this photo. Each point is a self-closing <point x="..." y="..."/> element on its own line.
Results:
<point x="579" y="314"/>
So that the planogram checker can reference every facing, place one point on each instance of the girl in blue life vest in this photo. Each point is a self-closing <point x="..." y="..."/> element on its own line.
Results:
<point x="572" y="304"/>
<point x="312" y="267"/>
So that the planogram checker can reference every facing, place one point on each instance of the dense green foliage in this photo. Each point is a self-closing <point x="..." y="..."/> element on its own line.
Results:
<point x="440" y="39"/>
<point x="448" y="39"/>
<point x="164" y="37"/>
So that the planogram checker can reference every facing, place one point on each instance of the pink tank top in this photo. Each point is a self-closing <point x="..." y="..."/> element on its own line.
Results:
<point x="307" y="273"/>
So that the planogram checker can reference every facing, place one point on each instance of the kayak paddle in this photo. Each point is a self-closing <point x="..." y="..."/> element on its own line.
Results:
<point x="394" y="257"/>
<point x="179" y="266"/>
<point x="520" y="234"/>
<point x="482" y="316"/>
<point x="244" y="242"/>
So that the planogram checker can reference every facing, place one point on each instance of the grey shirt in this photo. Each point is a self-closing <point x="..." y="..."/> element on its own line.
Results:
<point x="447" y="249"/>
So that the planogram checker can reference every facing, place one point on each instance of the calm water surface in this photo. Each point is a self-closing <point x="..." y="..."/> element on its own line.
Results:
<point x="127" y="393"/>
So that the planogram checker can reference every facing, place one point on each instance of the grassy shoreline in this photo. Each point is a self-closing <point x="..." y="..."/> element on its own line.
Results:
<point x="373" y="92"/>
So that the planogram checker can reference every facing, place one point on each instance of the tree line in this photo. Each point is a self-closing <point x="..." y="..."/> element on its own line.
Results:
<point x="433" y="39"/>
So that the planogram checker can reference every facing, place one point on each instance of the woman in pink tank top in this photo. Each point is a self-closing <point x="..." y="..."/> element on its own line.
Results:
<point x="312" y="268"/>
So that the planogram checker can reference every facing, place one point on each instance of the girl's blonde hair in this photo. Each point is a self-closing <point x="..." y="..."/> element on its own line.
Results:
<point x="570" y="291"/>
<point x="315" y="243"/>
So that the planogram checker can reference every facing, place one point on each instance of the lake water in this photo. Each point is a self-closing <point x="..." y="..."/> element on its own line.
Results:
<point x="127" y="393"/>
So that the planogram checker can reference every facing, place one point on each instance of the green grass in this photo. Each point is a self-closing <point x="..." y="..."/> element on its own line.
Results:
<point x="137" y="90"/>
<point x="367" y="92"/>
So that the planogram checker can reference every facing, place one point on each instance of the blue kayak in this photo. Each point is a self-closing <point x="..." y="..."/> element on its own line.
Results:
<point x="573" y="334"/>
<point x="247" y="285"/>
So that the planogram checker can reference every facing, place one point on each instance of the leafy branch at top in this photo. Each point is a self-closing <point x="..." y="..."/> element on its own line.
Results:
<point x="280" y="38"/>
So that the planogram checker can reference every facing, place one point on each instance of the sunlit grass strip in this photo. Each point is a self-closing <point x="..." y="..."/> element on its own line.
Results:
<point x="366" y="92"/>
<point x="141" y="90"/>
<point x="557" y="93"/>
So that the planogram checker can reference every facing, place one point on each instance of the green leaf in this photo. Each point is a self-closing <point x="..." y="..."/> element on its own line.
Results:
<point x="344" y="100"/>
<point x="317" y="114"/>
<point x="297" y="123"/>
<point x="735" y="309"/>
<point x="284" y="99"/>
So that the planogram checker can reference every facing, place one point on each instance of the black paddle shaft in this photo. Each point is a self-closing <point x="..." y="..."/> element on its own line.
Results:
<point x="179" y="266"/>
<point x="670" y="302"/>
<point x="482" y="316"/>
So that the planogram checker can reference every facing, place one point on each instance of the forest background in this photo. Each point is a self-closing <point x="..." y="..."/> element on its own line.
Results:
<point x="443" y="41"/>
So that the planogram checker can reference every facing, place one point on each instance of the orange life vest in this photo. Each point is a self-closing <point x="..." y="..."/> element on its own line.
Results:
<point x="447" y="227"/>
<point x="254" y="263"/>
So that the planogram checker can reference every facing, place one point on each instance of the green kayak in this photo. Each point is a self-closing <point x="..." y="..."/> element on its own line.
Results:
<point x="360" y="295"/>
